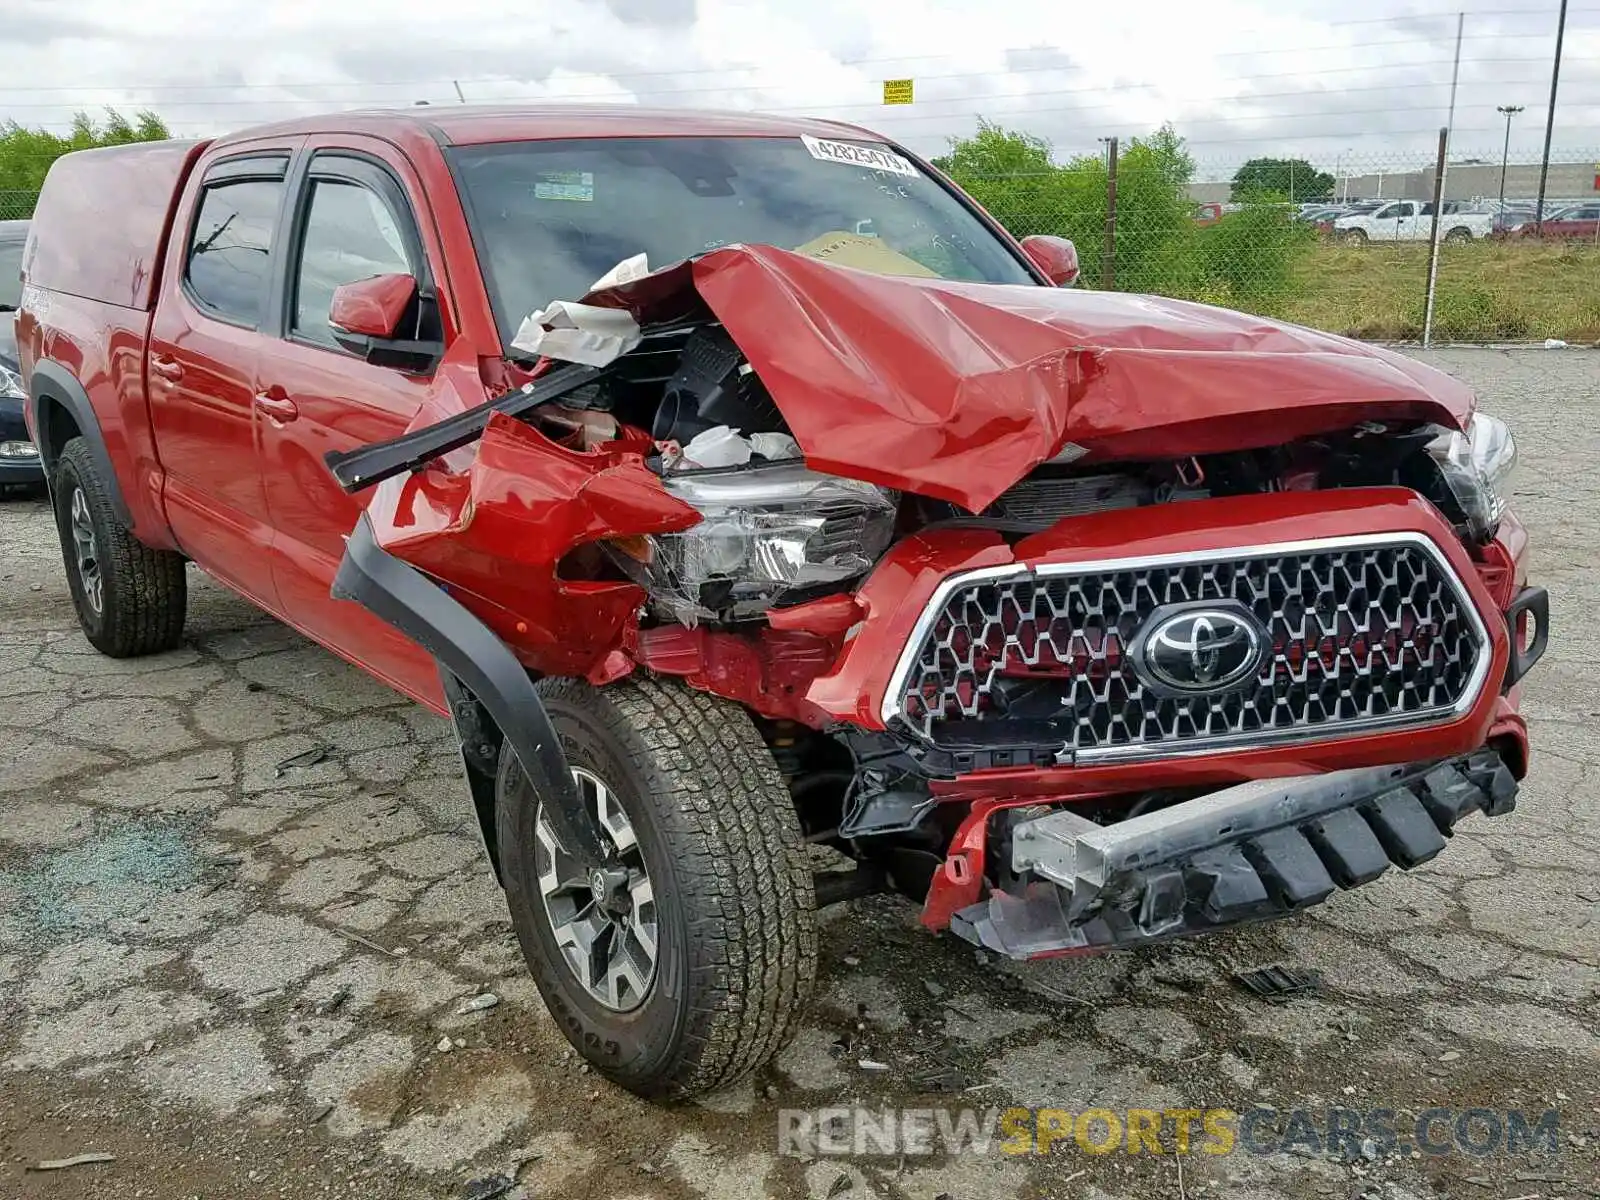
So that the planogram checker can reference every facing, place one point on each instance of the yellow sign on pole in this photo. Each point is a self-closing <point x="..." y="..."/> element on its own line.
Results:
<point x="897" y="91"/>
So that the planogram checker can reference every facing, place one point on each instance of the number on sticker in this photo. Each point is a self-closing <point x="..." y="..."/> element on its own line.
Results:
<point x="876" y="158"/>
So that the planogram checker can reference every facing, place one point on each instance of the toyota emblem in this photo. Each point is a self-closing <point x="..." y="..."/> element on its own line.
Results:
<point x="1200" y="649"/>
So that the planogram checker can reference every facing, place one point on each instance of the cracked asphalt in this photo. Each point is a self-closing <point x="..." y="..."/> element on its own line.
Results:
<point x="238" y="977"/>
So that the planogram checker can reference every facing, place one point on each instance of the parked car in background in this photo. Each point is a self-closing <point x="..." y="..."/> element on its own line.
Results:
<point x="1580" y="222"/>
<point x="19" y="460"/>
<point x="1511" y="217"/>
<point x="1411" y="221"/>
<point x="1326" y="218"/>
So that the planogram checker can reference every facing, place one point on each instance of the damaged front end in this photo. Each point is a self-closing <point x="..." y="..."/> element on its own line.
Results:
<point x="1086" y="619"/>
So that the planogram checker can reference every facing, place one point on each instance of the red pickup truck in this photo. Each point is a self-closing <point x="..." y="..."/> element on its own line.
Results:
<point x="735" y="483"/>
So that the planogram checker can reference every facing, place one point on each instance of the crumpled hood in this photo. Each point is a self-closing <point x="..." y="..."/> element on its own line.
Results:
<point x="958" y="390"/>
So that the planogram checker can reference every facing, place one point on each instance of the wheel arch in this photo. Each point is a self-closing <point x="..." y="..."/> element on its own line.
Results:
<point x="60" y="410"/>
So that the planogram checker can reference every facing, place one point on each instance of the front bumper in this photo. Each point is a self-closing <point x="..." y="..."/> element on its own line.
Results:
<point x="1248" y="853"/>
<point x="21" y="470"/>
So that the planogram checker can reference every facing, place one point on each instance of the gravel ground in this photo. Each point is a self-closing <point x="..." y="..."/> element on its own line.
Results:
<point x="237" y="978"/>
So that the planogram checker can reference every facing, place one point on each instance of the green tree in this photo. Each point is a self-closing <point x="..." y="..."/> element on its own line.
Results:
<point x="26" y="154"/>
<point x="1292" y="177"/>
<point x="1250" y="259"/>
<point x="1012" y="175"/>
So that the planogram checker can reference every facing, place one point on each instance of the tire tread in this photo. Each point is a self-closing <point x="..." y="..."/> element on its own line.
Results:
<point x="146" y="590"/>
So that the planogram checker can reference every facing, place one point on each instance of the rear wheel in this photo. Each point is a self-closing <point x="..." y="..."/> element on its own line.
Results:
<point x="683" y="963"/>
<point x="130" y="599"/>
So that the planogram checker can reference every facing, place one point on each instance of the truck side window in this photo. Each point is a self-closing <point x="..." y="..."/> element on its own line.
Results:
<point x="350" y="234"/>
<point x="231" y="247"/>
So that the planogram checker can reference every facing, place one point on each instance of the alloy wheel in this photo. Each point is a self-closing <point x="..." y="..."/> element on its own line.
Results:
<point x="86" y="551"/>
<point x="604" y="920"/>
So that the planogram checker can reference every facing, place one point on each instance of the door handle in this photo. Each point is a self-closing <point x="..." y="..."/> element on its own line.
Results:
<point x="277" y="405"/>
<point x="169" y="369"/>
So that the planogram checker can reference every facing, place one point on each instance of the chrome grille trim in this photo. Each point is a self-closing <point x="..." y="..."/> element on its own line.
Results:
<point x="893" y="701"/>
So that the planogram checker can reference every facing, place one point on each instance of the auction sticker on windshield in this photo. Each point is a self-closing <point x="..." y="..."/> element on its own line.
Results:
<point x="853" y="155"/>
<point x="564" y="185"/>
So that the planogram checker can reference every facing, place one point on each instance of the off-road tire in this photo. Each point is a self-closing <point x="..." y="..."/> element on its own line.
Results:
<point x="735" y="906"/>
<point x="1459" y="236"/>
<point x="144" y="594"/>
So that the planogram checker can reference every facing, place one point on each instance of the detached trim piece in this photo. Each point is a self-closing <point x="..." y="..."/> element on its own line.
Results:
<point x="1249" y="853"/>
<point x="482" y="666"/>
<point x="357" y="469"/>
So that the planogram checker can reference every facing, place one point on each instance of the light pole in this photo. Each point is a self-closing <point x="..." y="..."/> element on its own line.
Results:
<point x="1510" y="110"/>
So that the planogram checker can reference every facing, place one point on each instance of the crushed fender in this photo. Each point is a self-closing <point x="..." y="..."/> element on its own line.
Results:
<point x="497" y="529"/>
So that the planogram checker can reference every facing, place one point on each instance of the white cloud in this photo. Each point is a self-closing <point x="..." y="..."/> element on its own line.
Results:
<point x="1237" y="77"/>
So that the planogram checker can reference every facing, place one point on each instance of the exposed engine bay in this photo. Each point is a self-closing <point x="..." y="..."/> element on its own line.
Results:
<point x="774" y="532"/>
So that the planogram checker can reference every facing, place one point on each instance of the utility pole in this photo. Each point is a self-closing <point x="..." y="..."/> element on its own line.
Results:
<point x="1108" y="258"/>
<point x="1510" y="110"/>
<point x="1455" y="71"/>
<point x="1433" y="237"/>
<point x="1550" y="120"/>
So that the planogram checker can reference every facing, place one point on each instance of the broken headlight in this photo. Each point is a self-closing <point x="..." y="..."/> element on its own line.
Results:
<point x="767" y="534"/>
<point x="1475" y="466"/>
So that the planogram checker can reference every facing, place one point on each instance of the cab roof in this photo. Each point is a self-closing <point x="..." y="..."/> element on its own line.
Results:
<point x="477" y="124"/>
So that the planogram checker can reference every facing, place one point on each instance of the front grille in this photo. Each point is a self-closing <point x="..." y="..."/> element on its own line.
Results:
<point x="1356" y="634"/>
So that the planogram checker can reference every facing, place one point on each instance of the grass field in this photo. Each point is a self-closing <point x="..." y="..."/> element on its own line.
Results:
<point x="1488" y="292"/>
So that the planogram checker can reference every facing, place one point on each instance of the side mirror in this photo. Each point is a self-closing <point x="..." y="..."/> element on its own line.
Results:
<point x="371" y="308"/>
<point x="1057" y="257"/>
<point x="386" y="321"/>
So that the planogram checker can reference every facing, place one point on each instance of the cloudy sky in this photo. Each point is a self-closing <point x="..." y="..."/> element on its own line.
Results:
<point x="1367" y="80"/>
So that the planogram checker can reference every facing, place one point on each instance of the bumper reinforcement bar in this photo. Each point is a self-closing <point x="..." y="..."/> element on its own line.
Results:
<point x="1252" y="852"/>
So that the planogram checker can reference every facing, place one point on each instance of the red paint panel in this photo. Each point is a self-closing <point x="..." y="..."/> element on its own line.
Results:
<point x="767" y="670"/>
<point x="75" y="248"/>
<point x="102" y="346"/>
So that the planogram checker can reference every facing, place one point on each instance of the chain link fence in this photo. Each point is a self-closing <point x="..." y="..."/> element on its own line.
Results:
<point x="16" y="206"/>
<point x="1340" y="245"/>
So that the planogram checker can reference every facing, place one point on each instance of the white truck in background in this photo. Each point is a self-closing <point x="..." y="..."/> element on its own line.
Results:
<point x="1412" y="221"/>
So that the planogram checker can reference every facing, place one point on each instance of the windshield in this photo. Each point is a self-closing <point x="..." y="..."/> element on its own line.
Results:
<point x="550" y="218"/>
<point x="10" y="274"/>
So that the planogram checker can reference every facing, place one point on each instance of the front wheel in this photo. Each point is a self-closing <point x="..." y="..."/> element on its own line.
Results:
<point x="1458" y="236"/>
<point x="682" y="964"/>
<point x="1354" y="237"/>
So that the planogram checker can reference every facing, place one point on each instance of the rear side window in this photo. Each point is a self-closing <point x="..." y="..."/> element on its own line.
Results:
<point x="230" y="251"/>
<point x="350" y="234"/>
